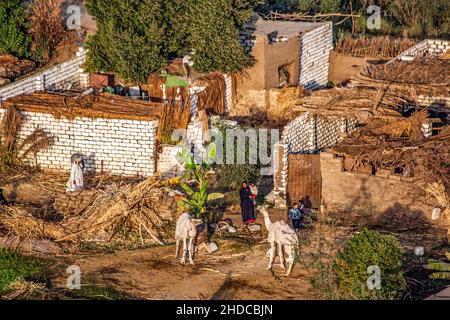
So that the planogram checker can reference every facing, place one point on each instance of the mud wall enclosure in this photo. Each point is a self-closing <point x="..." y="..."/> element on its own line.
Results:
<point x="363" y="191"/>
<point x="305" y="55"/>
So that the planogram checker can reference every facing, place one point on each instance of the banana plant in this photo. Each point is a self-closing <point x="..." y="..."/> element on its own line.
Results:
<point x="196" y="201"/>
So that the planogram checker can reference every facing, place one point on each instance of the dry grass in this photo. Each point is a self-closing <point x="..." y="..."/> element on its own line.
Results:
<point x="23" y="289"/>
<point x="22" y="224"/>
<point x="133" y="207"/>
<point x="361" y="103"/>
<point x="47" y="27"/>
<point x="287" y="100"/>
<point x="119" y="209"/>
<point x="11" y="151"/>
<point x="102" y="106"/>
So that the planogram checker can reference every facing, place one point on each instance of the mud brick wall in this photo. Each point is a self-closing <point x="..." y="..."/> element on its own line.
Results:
<point x="361" y="191"/>
<point x="55" y="78"/>
<point x="123" y="147"/>
<point x="316" y="46"/>
<point x="74" y="202"/>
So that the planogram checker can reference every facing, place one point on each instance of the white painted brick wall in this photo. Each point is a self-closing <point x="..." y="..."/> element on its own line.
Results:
<point x="123" y="147"/>
<point x="316" y="46"/>
<point x="168" y="165"/>
<point x="54" y="78"/>
<point x="307" y="134"/>
<point x="426" y="46"/>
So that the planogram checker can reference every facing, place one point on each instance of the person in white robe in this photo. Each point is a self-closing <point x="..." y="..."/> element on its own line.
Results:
<point x="76" y="176"/>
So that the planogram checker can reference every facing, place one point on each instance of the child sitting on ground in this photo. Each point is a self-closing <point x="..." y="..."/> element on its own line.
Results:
<point x="295" y="215"/>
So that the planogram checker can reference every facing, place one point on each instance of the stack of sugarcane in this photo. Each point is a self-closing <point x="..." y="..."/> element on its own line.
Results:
<point x="441" y="268"/>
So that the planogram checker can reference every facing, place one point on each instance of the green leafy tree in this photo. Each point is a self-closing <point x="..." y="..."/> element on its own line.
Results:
<point x="14" y="38"/>
<point x="129" y="40"/>
<point x="370" y="248"/>
<point x="136" y="38"/>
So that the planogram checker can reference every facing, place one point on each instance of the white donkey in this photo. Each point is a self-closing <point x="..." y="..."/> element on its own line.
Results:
<point x="283" y="237"/>
<point x="185" y="231"/>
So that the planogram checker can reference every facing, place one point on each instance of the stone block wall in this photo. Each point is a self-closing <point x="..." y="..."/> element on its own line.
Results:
<point x="437" y="104"/>
<point x="54" y="78"/>
<point x="228" y="95"/>
<point x="118" y="146"/>
<point x="316" y="46"/>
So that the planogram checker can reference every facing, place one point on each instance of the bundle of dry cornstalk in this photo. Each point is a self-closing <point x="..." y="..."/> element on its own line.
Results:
<point x="361" y="103"/>
<point x="422" y="76"/>
<point x="117" y="209"/>
<point x="212" y="98"/>
<point x="71" y="105"/>
<point x="382" y="47"/>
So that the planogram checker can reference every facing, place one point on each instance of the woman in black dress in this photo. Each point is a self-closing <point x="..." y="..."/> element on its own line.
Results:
<point x="247" y="208"/>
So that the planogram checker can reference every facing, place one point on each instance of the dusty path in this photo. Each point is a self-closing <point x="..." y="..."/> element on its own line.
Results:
<point x="155" y="274"/>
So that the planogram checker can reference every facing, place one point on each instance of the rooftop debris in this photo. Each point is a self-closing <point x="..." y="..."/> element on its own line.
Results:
<point x="361" y="103"/>
<point x="424" y="75"/>
<point x="400" y="145"/>
<point x="12" y="68"/>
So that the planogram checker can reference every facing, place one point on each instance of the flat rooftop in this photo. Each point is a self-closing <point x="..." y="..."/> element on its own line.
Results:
<point x="287" y="29"/>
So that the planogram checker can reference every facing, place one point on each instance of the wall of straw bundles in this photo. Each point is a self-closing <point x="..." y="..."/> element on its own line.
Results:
<point x="119" y="146"/>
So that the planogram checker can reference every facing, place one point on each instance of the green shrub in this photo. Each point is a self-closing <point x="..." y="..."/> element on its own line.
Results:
<point x="231" y="176"/>
<point x="14" y="266"/>
<point x="370" y="248"/>
<point x="14" y="38"/>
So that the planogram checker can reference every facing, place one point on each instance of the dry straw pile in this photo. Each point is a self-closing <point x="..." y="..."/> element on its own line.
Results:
<point x="118" y="210"/>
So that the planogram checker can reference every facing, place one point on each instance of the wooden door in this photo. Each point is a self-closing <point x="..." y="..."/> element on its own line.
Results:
<point x="304" y="179"/>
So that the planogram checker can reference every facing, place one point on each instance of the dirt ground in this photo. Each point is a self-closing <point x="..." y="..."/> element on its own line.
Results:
<point x="236" y="271"/>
